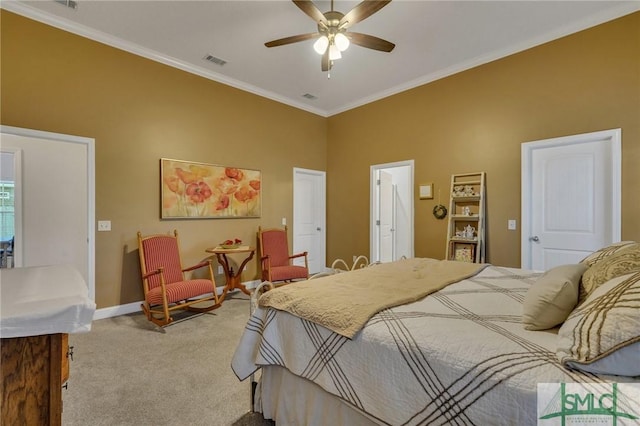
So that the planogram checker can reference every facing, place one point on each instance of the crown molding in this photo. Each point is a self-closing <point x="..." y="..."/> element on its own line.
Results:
<point x="589" y="22"/>
<point x="118" y="43"/>
<point x="75" y="28"/>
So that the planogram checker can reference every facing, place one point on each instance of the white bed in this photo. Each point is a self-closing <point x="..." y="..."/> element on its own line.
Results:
<point x="458" y="356"/>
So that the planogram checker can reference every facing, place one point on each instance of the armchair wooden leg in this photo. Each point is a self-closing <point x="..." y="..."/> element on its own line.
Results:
<point x="160" y="322"/>
<point x="145" y="310"/>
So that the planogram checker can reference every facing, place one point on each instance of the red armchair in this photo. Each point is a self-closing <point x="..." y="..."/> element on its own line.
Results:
<point x="275" y="259"/>
<point x="164" y="284"/>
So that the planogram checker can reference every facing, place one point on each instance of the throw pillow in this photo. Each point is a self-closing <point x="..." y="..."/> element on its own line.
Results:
<point x="602" y="335"/>
<point x="552" y="297"/>
<point x="604" y="252"/>
<point x="625" y="260"/>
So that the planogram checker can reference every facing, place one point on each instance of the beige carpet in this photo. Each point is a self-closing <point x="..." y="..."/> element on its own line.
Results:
<point x="127" y="371"/>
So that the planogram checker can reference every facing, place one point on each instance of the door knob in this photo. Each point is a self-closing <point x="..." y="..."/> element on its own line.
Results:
<point x="318" y="229"/>
<point x="534" y="238"/>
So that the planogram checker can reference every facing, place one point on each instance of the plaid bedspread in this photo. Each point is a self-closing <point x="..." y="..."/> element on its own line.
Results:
<point x="457" y="357"/>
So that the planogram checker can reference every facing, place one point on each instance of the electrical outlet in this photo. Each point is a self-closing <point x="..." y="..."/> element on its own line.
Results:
<point x="511" y="225"/>
<point x="284" y="221"/>
<point x="220" y="270"/>
<point x="104" y="225"/>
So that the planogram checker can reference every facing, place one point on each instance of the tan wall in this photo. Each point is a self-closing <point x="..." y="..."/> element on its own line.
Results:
<point x="139" y="111"/>
<point x="476" y="121"/>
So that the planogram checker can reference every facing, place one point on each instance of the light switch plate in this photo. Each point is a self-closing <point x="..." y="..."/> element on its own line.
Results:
<point x="511" y="225"/>
<point x="104" y="225"/>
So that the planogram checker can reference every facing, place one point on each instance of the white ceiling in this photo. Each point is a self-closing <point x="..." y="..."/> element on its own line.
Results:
<point x="433" y="39"/>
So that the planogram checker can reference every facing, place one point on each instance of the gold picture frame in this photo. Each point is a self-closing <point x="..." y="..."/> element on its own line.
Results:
<point x="426" y="191"/>
<point x="194" y="190"/>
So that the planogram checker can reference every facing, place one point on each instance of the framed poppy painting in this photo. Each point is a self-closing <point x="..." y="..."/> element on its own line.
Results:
<point x="191" y="190"/>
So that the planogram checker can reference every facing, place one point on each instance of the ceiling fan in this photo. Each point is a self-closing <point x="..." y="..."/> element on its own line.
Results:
<point x="333" y="37"/>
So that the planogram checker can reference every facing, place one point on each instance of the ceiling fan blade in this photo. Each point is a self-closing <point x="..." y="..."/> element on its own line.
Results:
<point x="361" y="12"/>
<point x="311" y="10"/>
<point x="370" y="41"/>
<point x="292" y="39"/>
<point x="326" y="63"/>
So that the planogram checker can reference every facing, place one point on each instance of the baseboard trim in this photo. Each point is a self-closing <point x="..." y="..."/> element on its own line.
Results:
<point x="115" y="311"/>
<point x="130" y="308"/>
<point x="251" y="284"/>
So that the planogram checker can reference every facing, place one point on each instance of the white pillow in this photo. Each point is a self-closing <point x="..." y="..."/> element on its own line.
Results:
<point x="602" y="335"/>
<point x="552" y="297"/>
<point x="617" y="363"/>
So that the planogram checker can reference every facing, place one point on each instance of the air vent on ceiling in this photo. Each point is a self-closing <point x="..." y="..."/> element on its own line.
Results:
<point x="69" y="3"/>
<point x="215" y="60"/>
<point x="309" y="96"/>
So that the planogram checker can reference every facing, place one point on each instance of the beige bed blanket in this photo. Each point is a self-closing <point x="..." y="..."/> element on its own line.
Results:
<point x="344" y="302"/>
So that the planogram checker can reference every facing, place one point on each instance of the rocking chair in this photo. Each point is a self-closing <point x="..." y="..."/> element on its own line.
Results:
<point x="165" y="287"/>
<point x="275" y="258"/>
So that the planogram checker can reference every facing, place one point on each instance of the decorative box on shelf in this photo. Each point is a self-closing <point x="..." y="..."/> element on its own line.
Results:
<point x="462" y="251"/>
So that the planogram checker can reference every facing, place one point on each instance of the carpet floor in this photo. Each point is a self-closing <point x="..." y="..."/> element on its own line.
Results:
<point x="127" y="371"/>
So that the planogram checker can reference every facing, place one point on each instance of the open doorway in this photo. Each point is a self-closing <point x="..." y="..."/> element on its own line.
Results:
<point x="10" y="205"/>
<point x="55" y="185"/>
<point x="391" y="217"/>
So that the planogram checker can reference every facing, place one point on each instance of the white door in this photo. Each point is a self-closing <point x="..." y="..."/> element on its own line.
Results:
<point x="309" y="217"/>
<point x="57" y="200"/>
<point x="571" y="198"/>
<point x="386" y="216"/>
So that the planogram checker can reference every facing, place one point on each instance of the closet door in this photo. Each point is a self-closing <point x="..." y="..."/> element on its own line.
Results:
<point x="309" y="217"/>
<point x="571" y="198"/>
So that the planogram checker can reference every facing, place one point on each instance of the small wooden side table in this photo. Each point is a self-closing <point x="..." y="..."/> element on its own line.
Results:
<point x="232" y="277"/>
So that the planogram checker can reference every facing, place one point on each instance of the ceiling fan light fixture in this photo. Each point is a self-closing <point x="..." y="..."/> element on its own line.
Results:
<point x="320" y="46"/>
<point x="334" y="52"/>
<point x="333" y="35"/>
<point x="341" y="41"/>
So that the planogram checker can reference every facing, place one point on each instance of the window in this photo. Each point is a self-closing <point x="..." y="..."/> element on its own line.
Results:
<point x="7" y="215"/>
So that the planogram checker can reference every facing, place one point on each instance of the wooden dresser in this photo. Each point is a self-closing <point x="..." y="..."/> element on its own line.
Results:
<point x="34" y="346"/>
<point x="34" y="369"/>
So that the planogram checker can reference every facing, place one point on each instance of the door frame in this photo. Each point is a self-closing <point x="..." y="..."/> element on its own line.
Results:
<point x="385" y="189"/>
<point x="91" y="177"/>
<point x="614" y="136"/>
<point x="374" y="201"/>
<point x="323" y="224"/>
